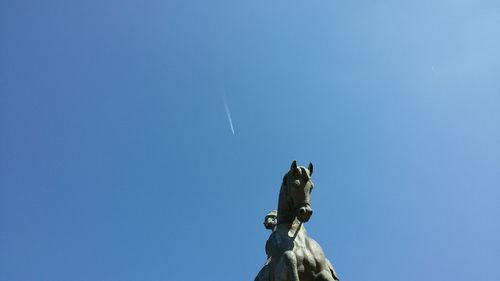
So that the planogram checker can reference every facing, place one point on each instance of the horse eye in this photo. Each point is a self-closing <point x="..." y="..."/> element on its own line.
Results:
<point x="296" y="183"/>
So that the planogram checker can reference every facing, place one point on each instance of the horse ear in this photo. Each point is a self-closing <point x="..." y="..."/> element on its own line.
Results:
<point x="310" y="168"/>
<point x="294" y="167"/>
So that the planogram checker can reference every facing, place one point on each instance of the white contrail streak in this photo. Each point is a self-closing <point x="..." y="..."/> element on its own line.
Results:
<point x="228" y="113"/>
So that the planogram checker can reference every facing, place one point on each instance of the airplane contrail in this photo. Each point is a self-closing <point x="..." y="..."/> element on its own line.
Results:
<point x="228" y="113"/>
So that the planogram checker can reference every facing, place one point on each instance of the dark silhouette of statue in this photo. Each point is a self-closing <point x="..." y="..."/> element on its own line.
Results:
<point x="291" y="254"/>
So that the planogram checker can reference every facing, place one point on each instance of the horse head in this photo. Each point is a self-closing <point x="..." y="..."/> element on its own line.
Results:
<point x="294" y="200"/>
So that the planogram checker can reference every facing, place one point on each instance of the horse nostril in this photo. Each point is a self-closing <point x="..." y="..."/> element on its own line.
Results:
<point x="302" y="210"/>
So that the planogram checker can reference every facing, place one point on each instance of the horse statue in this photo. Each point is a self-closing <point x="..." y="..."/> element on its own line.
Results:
<point x="292" y="255"/>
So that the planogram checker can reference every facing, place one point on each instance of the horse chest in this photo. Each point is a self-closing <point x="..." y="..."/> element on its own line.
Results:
<point x="284" y="240"/>
<point x="305" y="258"/>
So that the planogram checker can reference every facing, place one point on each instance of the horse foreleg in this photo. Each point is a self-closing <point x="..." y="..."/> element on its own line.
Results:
<point x="325" y="275"/>
<point x="287" y="268"/>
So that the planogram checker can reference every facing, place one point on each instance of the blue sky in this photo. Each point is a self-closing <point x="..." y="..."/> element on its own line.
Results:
<point x="117" y="161"/>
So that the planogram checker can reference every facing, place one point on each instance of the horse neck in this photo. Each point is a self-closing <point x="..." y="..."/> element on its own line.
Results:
<point x="291" y="228"/>
<point x="285" y="213"/>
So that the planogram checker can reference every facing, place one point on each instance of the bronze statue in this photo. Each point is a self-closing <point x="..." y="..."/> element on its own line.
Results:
<point x="270" y="222"/>
<point x="292" y="255"/>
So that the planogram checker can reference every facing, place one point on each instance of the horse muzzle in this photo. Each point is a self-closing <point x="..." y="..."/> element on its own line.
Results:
<point x="304" y="213"/>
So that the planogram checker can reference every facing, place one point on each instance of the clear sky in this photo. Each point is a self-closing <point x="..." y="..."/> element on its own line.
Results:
<point x="117" y="159"/>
